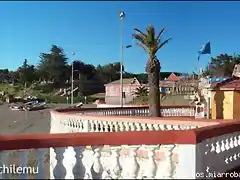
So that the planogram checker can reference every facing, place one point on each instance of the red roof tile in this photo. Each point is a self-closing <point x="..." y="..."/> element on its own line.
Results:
<point x="232" y="83"/>
<point x="173" y="77"/>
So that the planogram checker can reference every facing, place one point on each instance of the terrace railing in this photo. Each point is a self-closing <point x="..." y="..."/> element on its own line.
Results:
<point x="173" y="110"/>
<point x="65" y="121"/>
<point x="206" y="152"/>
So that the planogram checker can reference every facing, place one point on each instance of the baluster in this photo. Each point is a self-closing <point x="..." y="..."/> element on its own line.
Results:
<point x="238" y="137"/>
<point x="41" y="158"/>
<point x="101" y="126"/>
<point x="227" y="147"/>
<point x="162" y="127"/>
<point x="75" y="124"/>
<point x="116" y="168"/>
<point x="23" y="158"/>
<point x="79" y="169"/>
<point x="218" y="147"/>
<point x="169" y="166"/>
<point x="71" y="125"/>
<point x="235" y="141"/>
<point x="131" y="169"/>
<point x="151" y="166"/>
<point x="138" y="126"/>
<point x="83" y="124"/>
<point x="96" y="126"/>
<point x="110" y="126"/>
<point x="132" y="126"/>
<point x="105" y="126"/>
<point x="97" y="168"/>
<point x="79" y="127"/>
<point x="169" y="127"/>
<point x="150" y="127"/>
<point x="156" y="127"/>
<point x="231" y="144"/>
<point x="213" y="148"/>
<point x="127" y="127"/>
<point x="59" y="171"/>
<point x="144" y="126"/>
<point x="222" y="146"/>
<point x="91" y="126"/>
<point x="116" y="126"/>
<point x="121" y="125"/>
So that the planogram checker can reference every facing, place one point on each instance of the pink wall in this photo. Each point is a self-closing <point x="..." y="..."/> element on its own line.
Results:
<point x="114" y="90"/>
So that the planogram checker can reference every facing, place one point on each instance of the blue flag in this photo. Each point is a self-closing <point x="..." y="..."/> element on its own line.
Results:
<point x="206" y="49"/>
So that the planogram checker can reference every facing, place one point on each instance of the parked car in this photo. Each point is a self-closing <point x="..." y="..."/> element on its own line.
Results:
<point x="34" y="105"/>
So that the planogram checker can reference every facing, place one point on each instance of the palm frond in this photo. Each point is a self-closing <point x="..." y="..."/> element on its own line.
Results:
<point x="140" y="32"/>
<point x="141" y="38"/>
<point x="148" y="41"/>
<point x="143" y="46"/>
<point x="160" y="34"/>
<point x="150" y="35"/>
<point x="162" y="44"/>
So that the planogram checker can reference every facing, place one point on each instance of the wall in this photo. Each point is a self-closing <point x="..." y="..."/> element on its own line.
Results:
<point x="222" y="104"/>
<point x="112" y="95"/>
<point x="228" y="105"/>
<point x="213" y="103"/>
<point x="236" y="101"/>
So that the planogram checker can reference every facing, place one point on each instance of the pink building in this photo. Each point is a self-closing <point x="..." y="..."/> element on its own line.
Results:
<point x="112" y="90"/>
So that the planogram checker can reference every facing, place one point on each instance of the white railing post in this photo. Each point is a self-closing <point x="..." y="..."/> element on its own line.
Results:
<point x="186" y="168"/>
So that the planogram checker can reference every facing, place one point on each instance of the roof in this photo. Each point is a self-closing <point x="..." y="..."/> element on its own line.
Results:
<point x="125" y="81"/>
<point x="229" y="84"/>
<point x="166" y="83"/>
<point x="173" y="77"/>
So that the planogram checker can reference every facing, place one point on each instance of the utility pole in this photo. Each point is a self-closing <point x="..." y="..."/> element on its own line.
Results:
<point x="122" y="16"/>
<point x="72" y="81"/>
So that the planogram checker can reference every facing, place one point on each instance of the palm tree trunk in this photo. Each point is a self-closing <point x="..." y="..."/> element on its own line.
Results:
<point x="153" y="69"/>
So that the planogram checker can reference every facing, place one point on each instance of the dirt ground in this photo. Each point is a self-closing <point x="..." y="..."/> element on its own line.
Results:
<point x="21" y="122"/>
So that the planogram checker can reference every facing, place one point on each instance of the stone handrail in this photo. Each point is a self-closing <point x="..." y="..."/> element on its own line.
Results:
<point x="63" y="121"/>
<point x="190" y="154"/>
<point x="166" y="110"/>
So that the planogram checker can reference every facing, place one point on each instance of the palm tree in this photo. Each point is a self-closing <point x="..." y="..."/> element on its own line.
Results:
<point x="141" y="91"/>
<point x="151" y="43"/>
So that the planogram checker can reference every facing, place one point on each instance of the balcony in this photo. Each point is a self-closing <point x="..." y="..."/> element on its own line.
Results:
<point x="84" y="144"/>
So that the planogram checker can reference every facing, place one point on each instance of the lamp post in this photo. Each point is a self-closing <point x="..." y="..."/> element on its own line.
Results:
<point x="72" y="81"/>
<point x="121" y="16"/>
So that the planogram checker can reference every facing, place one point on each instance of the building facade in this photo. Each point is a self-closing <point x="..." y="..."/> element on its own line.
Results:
<point x="112" y="90"/>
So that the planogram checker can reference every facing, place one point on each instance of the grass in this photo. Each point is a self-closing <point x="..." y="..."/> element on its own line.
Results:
<point x="43" y="92"/>
<point x="170" y="100"/>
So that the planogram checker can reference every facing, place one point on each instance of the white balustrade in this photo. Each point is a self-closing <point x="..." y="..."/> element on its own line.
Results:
<point x="158" y="161"/>
<point x="61" y="123"/>
<point x="140" y="111"/>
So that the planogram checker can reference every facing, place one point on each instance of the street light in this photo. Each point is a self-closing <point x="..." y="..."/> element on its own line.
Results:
<point x="72" y="81"/>
<point x="121" y="16"/>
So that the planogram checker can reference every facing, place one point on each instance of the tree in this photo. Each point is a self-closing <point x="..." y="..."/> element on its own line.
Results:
<point x="109" y="72"/>
<point x="222" y="65"/>
<point x="151" y="43"/>
<point x="52" y="65"/>
<point x="26" y="73"/>
<point x="141" y="91"/>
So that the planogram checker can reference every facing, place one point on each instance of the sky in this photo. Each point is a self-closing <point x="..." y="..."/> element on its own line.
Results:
<point x="92" y="31"/>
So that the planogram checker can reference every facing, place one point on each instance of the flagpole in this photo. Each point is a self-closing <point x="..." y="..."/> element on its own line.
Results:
<point x="209" y="94"/>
